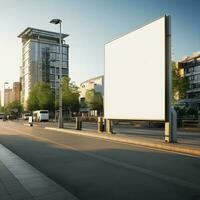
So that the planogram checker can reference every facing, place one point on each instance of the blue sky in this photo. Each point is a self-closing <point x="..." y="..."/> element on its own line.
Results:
<point x="91" y="24"/>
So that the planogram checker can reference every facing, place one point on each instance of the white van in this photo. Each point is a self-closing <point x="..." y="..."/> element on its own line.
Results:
<point x="41" y="115"/>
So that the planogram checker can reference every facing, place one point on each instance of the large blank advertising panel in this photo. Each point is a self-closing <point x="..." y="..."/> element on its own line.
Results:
<point x="135" y="74"/>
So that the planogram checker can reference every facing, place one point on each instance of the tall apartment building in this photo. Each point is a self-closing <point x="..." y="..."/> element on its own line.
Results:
<point x="191" y="68"/>
<point x="16" y="91"/>
<point x="40" y="59"/>
<point x="7" y="96"/>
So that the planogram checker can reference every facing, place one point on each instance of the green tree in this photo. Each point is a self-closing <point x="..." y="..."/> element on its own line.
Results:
<point x="41" y="97"/>
<point x="180" y="84"/>
<point x="1" y="109"/>
<point x="70" y="95"/>
<point x="14" y="108"/>
<point x="94" y="100"/>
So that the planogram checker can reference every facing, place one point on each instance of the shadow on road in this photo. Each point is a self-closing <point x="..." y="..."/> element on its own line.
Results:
<point x="104" y="170"/>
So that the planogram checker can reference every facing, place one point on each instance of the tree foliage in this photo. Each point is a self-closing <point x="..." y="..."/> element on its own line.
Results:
<point x="1" y="109"/>
<point x="94" y="100"/>
<point x="15" y="108"/>
<point x="180" y="84"/>
<point x="41" y="97"/>
<point x="70" y="95"/>
<point x="186" y="111"/>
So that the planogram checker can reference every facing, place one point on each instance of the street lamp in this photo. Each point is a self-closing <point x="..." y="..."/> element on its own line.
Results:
<point x="60" y="119"/>
<point x="54" y="60"/>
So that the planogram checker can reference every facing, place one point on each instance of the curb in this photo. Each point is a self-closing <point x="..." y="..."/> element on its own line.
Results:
<point x="27" y="124"/>
<point x="163" y="146"/>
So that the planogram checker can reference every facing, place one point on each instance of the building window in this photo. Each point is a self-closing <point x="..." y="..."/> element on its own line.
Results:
<point x="64" y="57"/>
<point x="191" y="69"/>
<point x="57" y="70"/>
<point x="64" y="65"/>
<point x="52" y="77"/>
<point x="64" y="50"/>
<point x="64" y="71"/>
<point x="52" y="84"/>
<point x="52" y="70"/>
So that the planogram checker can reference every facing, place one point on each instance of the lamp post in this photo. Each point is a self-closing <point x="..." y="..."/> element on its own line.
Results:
<point x="60" y="119"/>
<point x="54" y="60"/>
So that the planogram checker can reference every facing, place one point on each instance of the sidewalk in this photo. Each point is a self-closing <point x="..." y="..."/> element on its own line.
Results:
<point x="152" y="142"/>
<point x="10" y="187"/>
<point x="20" y="181"/>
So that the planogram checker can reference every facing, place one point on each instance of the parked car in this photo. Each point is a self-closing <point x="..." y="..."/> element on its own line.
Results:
<point x="1" y="115"/>
<point x="25" y="116"/>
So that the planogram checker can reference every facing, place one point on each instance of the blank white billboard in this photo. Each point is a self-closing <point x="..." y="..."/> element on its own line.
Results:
<point x="135" y="74"/>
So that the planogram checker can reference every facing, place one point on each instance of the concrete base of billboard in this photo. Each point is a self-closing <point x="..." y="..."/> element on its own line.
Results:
<point x="171" y="128"/>
<point x="109" y="128"/>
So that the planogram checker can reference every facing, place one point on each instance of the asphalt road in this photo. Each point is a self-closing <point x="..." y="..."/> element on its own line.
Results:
<point x="97" y="169"/>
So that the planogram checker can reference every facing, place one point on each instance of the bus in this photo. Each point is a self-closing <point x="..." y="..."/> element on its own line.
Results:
<point x="41" y="115"/>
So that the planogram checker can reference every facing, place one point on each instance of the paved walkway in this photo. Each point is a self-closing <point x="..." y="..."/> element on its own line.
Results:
<point x="10" y="187"/>
<point x="20" y="181"/>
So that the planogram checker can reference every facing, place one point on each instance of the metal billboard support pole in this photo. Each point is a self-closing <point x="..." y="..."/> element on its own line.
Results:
<point x="171" y="119"/>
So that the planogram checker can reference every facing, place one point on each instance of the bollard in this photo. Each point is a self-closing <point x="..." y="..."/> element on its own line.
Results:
<point x="104" y="124"/>
<point x="78" y="123"/>
<point x="30" y="121"/>
<point x="100" y="125"/>
<point x="109" y="128"/>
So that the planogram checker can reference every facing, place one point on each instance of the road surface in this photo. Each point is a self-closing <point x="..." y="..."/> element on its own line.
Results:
<point x="92" y="168"/>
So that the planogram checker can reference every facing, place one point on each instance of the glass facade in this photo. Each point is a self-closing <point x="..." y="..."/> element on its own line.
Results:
<point x="40" y="60"/>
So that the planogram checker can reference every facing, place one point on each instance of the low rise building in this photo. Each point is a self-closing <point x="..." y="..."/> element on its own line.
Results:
<point x="191" y="69"/>
<point x="96" y="83"/>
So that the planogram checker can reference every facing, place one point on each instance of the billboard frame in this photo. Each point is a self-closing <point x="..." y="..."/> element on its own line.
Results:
<point x="167" y="45"/>
<point x="170" y="114"/>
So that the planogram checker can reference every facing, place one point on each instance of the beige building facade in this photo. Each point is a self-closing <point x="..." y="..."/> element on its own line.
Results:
<point x="12" y="94"/>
